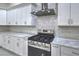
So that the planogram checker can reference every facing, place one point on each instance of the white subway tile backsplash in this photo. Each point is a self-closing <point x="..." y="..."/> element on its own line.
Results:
<point x="71" y="32"/>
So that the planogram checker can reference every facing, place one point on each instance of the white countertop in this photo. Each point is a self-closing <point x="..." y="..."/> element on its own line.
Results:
<point x="66" y="42"/>
<point x="17" y="34"/>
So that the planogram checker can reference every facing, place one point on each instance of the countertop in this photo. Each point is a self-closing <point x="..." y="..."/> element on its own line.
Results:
<point x="17" y="34"/>
<point x="66" y="42"/>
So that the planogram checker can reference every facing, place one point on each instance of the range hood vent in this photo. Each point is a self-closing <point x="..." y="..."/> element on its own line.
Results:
<point x="44" y="11"/>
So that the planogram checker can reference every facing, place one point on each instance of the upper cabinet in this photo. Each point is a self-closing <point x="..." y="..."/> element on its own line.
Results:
<point x="21" y="15"/>
<point x="75" y="14"/>
<point x="2" y="17"/>
<point x="68" y="14"/>
<point x="63" y="14"/>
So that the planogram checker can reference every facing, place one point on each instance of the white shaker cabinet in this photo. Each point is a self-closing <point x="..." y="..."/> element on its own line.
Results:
<point x="1" y="38"/>
<point x="21" y="15"/>
<point x="25" y="47"/>
<point x="18" y="16"/>
<point x="2" y="17"/>
<point x="11" y="17"/>
<point x="63" y="13"/>
<point x="18" y="46"/>
<point x="7" y="42"/>
<point x="68" y="14"/>
<point x="68" y="51"/>
<point x="55" y="50"/>
<point x="75" y="14"/>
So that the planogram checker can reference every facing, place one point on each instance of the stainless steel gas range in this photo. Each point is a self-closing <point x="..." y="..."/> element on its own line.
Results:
<point x="39" y="45"/>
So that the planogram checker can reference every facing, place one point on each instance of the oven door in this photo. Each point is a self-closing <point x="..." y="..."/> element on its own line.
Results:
<point x="32" y="51"/>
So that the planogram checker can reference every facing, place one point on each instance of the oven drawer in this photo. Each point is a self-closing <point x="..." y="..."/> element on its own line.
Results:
<point x="37" y="52"/>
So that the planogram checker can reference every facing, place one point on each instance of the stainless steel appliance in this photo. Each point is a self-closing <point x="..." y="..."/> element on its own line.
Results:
<point x="40" y="44"/>
<point x="44" y="10"/>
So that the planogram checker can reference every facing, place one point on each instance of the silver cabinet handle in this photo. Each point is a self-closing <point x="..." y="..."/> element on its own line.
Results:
<point x="16" y="23"/>
<point x="75" y="53"/>
<point x="9" y="23"/>
<point x="4" y="40"/>
<point x="8" y="37"/>
<point x="18" y="39"/>
<point x="25" y="22"/>
<point x="69" y="22"/>
<point x="17" y="44"/>
<point x="8" y="41"/>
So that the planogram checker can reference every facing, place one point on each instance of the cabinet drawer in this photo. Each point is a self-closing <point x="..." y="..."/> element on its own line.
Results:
<point x="69" y="51"/>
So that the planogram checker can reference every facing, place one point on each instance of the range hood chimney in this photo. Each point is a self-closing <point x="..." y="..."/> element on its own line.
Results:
<point x="44" y="11"/>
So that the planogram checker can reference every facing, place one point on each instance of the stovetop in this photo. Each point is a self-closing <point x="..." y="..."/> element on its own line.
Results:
<point x="42" y="37"/>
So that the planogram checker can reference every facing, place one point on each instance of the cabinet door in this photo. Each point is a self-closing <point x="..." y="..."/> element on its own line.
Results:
<point x="13" y="20"/>
<point x="18" y="46"/>
<point x="25" y="47"/>
<point x="24" y="15"/>
<point x="11" y="44"/>
<point x="75" y="13"/>
<point x="68" y="51"/>
<point x="18" y="16"/>
<point x="2" y="17"/>
<point x="63" y="13"/>
<point x="6" y="42"/>
<point x="20" y="43"/>
<point x="1" y="40"/>
<point x="11" y="17"/>
<point x="55" y="51"/>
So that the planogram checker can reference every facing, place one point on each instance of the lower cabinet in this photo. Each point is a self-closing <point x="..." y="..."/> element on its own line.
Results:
<point x="55" y="50"/>
<point x="7" y="42"/>
<point x="68" y="51"/>
<point x="18" y="45"/>
<point x="60" y="50"/>
<point x="1" y="38"/>
<point x="15" y="44"/>
<point x="25" y="48"/>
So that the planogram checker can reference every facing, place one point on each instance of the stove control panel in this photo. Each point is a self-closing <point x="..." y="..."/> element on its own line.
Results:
<point x="39" y="45"/>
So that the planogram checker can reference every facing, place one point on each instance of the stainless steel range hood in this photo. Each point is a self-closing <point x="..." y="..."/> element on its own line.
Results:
<point x="44" y="11"/>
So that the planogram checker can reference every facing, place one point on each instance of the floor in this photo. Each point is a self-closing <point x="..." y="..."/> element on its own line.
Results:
<point x="4" y="52"/>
